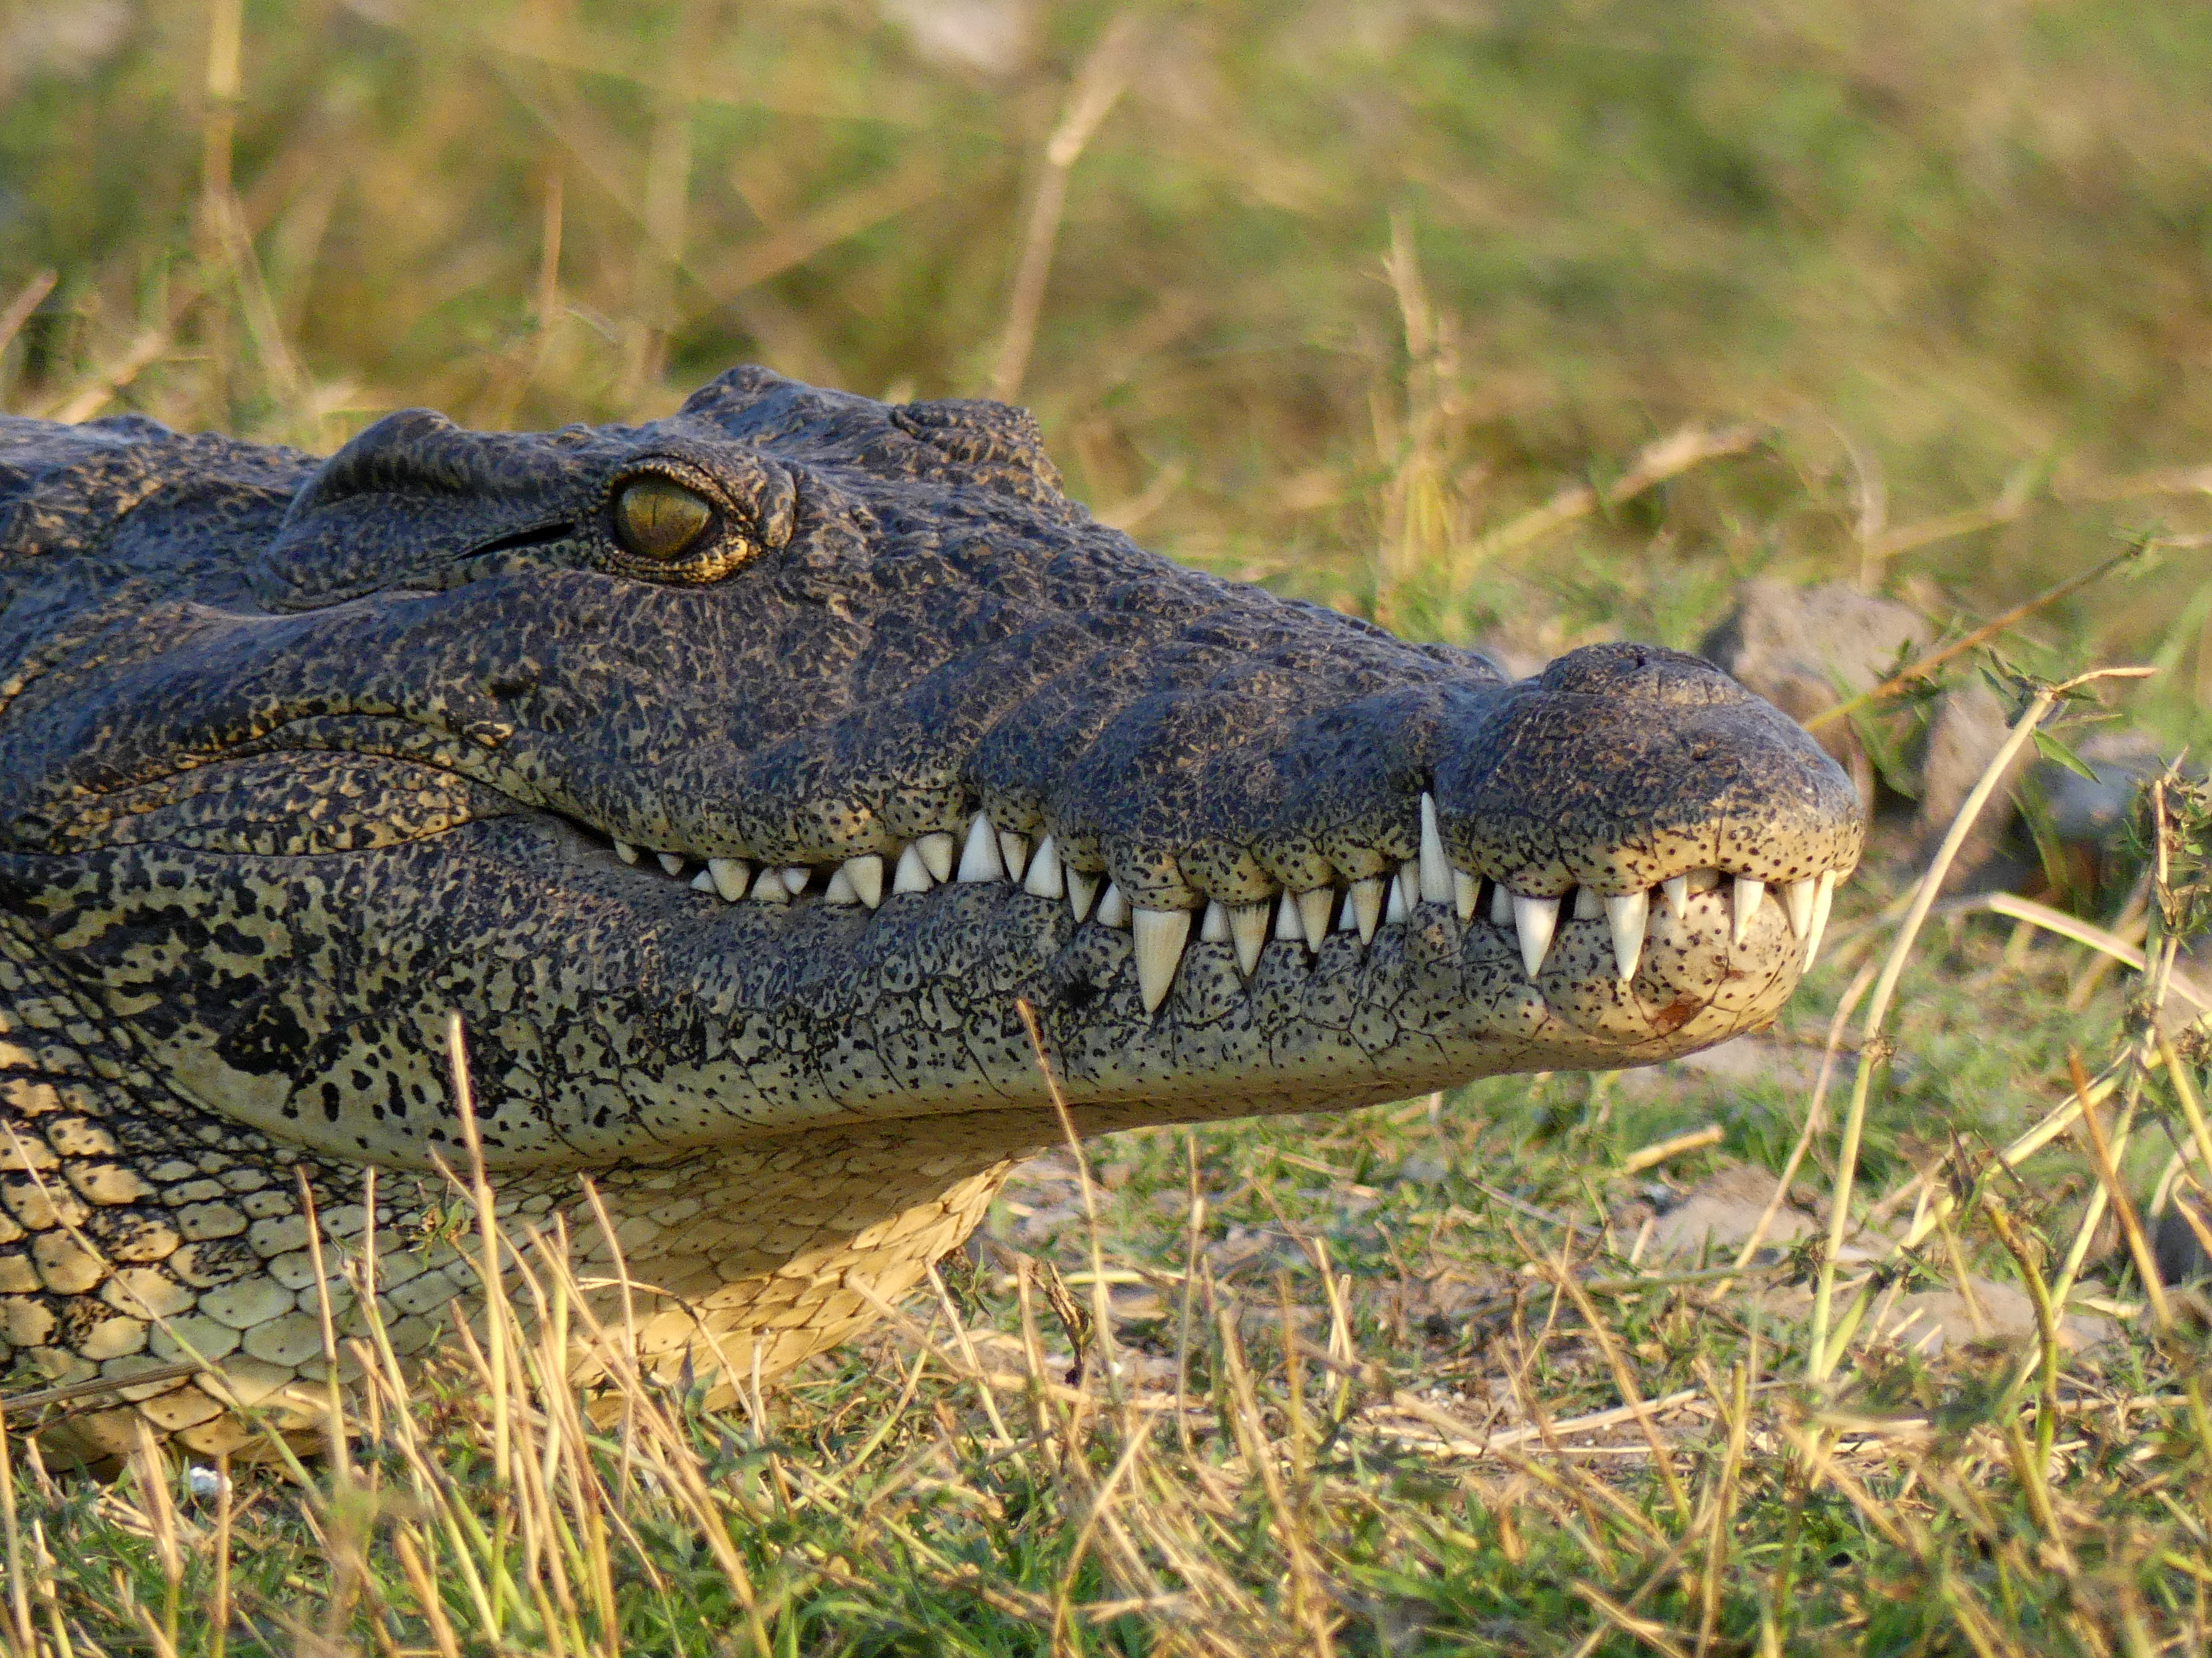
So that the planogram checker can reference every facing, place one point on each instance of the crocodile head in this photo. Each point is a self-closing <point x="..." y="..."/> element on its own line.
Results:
<point x="736" y="775"/>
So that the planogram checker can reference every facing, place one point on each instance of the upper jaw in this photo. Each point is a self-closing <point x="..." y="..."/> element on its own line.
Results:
<point x="1427" y="890"/>
<point x="1614" y="790"/>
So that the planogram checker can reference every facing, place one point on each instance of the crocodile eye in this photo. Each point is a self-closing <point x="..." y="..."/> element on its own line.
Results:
<point x="658" y="519"/>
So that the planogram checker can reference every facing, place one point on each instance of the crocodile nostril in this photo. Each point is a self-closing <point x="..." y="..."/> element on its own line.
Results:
<point x="1641" y="673"/>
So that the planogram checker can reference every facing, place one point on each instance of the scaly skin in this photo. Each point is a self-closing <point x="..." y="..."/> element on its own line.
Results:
<point x="298" y="757"/>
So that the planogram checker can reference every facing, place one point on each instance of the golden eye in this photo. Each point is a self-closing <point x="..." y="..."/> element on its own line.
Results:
<point x="657" y="519"/>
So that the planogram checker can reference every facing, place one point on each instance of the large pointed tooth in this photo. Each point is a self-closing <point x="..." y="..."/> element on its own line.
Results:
<point x="866" y="875"/>
<point x="731" y="876"/>
<point x="1824" y="898"/>
<point x="1435" y="868"/>
<point x="1247" y="926"/>
<point x="1214" y="929"/>
<point x="795" y="877"/>
<point x="1400" y="906"/>
<point x="702" y="882"/>
<point x="1677" y="889"/>
<point x="1042" y="880"/>
<point x="1798" y="898"/>
<point x="841" y="888"/>
<point x="912" y="875"/>
<point x="626" y="852"/>
<point x="1625" y="917"/>
<point x="1501" y="906"/>
<point x="1114" y="909"/>
<point x="1081" y="889"/>
<point x="1014" y="852"/>
<point x="1748" y="892"/>
<point x="768" y="887"/>
<point x="936" y="854"/>
<point x="672" y="862"/>
<point x="1290" y="924"/>
<point x="1366" y="906"/>
<point x="1467" y="890"/>
<point x="1159" y="935"/>
<point x="1314" y="907"/>
<point x="979" y="859"/>
<point x="1535" y="920"/>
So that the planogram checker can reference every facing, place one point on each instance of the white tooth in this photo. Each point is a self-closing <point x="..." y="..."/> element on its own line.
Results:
<point x="1081" y="889"/>
<point x="1158" y="936"/>
<point x="912" y="875"/>
<point x="1677" y="889"/>
<point x="626" y="852"/>
<point x="1501" y="907"/>
<point x="865" y="876"/>
<point x="1409" y="882"/>
<point x="1043" y="878"/>
<point x="979" y="859"/>
<point x="1014" y="852"/>
<point x="1535" y="920"/>
<point x="768" y="887"/>
<point x="795" y="877"/>
<point x="1823" y="898"/>
<point x="1365" y="908"/>
<point x="1435" y="868"/>
<point x="1798" y="898"/>
<point x="1347" y="916"/>
<point x="1467" y="890"/>
<point x="1589" y="904"/>
<point x="936" y="852"/>
<point x="672" y="862"/>
<point x="1397" y="909"/>
<point x="840" y="889"/>
<point x="1313" y="913"/>
<point x="1214" y="929"/>
<point x="1112" y="908"/>
<point x="732" y="876"/>
<point x="1290" y="924"/>
<point x="702" y="882"/>
<point x="1248" y="925"/>
<point x="1626" y="917"/>
<point x="1748" y="892"/>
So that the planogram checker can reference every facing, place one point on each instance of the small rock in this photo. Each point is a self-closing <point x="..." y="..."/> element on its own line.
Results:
<point x="1718" y="1215"/>
<point x="1796" y="646"/>
<point x="1804" y="649"/>
<point x="2179" y="1252"/>
<point x="2096" y="813"/>
<point x="1932" y="1319"/>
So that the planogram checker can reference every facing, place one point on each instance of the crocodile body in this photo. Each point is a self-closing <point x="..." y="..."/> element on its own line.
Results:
<point x="732" y="777"/>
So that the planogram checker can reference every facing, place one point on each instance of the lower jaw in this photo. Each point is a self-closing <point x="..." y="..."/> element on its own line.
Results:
<point x="1428" y="1003"/>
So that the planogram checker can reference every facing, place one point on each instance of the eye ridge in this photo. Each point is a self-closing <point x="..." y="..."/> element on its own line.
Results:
<point x="656" y="518"/>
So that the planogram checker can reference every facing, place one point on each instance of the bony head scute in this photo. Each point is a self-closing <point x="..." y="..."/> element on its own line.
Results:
<point x="657" y="519"/>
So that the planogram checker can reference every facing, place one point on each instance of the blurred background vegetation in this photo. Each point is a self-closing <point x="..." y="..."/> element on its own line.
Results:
<point x="1525" y="323"/>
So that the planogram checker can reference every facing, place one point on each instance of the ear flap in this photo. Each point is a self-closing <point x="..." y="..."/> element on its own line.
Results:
<point x="412" y="491"/>
<point x="998" y="441"/>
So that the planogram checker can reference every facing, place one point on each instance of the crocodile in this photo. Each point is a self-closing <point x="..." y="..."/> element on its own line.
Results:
<point x="746" y="781"/>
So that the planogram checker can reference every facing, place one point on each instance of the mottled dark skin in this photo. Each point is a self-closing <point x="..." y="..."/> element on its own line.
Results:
<point x="297" y="756"/>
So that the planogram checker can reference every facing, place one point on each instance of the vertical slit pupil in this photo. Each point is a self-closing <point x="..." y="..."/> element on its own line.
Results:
<point x="656" y="518"/>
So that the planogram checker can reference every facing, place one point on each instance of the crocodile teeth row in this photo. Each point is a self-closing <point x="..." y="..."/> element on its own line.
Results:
<point x="1158" y="937"/>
